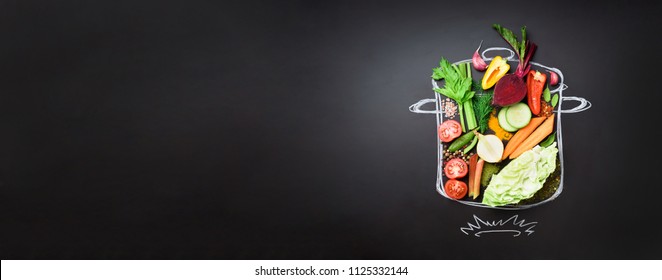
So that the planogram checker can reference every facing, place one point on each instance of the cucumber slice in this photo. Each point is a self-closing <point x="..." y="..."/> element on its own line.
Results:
<point x="518" y="115"/>
<point x="502" y="120"/>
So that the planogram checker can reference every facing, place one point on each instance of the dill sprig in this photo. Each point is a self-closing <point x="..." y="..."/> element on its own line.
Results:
<point x="482" y="105"/>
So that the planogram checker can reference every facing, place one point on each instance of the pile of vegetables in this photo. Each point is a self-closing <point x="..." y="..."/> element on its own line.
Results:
<point x="503" y="148"/>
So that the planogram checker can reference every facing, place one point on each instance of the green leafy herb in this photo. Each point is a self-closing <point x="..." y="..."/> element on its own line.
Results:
<point x="555" y="100"/>
<point x="457" y="86"/>
<point x="478" y="88"/>
<point x="437" y="73"/>
<point x="546" y="94"/>
<point x="482" y="106"/>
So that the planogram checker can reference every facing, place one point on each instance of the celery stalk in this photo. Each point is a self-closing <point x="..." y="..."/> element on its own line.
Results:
<point x="461" y="70"/>
<point x="460" y="111"/>
<point x="470" y="115"/>
<point x="469" y="107"/>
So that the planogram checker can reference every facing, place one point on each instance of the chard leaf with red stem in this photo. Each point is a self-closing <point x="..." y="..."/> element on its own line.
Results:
<point x="523" y="49"/>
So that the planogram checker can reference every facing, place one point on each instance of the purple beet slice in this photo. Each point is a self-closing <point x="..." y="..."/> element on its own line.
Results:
<point x="510" y="89"/>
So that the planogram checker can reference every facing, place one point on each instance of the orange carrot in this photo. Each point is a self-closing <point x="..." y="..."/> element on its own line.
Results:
<point x="472" y="173"/>
<point x="521" y="135"/>
<point x="476" y="178"/>
<point x="538" y="135"/>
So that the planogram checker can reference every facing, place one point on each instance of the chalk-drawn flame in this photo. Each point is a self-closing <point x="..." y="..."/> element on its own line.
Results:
<point x="512" y="225"/>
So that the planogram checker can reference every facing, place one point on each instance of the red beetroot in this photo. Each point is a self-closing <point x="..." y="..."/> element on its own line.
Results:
<point x="509" y="90"/>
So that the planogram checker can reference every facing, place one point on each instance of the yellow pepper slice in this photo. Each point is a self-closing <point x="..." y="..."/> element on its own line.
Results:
<point x="497" y="69"/>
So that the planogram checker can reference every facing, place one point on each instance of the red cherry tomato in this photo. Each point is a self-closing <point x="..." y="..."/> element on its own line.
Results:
<point x="449" y="130"/>
<point x="455" y="168"/>
<point x="455" y="189"/>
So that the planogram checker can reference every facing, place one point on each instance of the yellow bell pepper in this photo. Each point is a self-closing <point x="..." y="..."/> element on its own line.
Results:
<point x="497" y="69"/>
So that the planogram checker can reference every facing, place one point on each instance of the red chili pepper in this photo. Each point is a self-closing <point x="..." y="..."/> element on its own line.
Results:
<point x="535" y="82"/>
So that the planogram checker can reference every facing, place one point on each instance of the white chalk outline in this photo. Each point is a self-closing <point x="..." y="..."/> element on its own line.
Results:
<point x="493" y="226"/>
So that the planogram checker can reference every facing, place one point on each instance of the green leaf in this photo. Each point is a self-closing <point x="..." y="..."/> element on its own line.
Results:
<point x="555" y="100"/>
<point x="509" y="36"/>
<point x="468" y="95"/>
<point x="546" y="94"/>
<point x="437" y="74"/>
<point x="465" y="84"/>
<point x="447" y="92"/>
<point x="447" y="70"/>
<point x="548" y="141"/>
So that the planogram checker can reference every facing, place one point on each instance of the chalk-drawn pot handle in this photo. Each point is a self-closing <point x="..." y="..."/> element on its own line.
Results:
<point x="509" y="58"/>
<point x="583" y="104"/>
<point x="416" y="107"/>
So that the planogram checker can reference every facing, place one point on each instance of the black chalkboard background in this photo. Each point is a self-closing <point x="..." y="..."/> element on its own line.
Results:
<point x="280" y="130"/>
